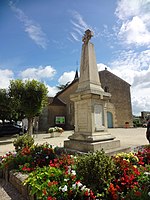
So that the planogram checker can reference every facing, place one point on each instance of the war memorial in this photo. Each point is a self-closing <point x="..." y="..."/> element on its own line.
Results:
<point x="90" y="107"/>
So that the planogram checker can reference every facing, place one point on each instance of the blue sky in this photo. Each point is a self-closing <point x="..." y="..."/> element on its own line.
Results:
<point x="42" y="39"/>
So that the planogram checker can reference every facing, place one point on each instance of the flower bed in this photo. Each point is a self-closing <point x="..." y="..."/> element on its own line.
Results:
<point x="53" y="175"/>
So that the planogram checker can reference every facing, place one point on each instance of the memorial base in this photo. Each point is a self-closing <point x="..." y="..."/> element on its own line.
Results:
<point x="110" y="147"/>
<point x="94" y="137"/>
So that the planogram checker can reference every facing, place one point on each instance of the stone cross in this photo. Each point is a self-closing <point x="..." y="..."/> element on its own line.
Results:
<point x="87" y="36"/>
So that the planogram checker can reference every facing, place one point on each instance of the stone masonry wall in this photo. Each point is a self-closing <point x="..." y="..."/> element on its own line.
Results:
<point x="121" y="99"/>
<point x="65" y="96"/>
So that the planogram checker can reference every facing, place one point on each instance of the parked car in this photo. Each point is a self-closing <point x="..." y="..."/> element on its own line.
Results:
<point x="10" y="129"/>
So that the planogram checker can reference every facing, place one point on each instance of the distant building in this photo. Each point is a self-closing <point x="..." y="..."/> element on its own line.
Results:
<point x="119" y="110"/>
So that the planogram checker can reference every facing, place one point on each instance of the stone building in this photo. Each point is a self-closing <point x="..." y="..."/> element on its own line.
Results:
<point x="119" y="110"/>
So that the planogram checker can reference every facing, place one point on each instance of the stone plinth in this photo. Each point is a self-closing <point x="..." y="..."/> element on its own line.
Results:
<point x="84" y="146"/>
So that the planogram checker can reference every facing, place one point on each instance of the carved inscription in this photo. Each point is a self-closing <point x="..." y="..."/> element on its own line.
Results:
<point x="82" y="117"/>
<point x="98" y="116"/>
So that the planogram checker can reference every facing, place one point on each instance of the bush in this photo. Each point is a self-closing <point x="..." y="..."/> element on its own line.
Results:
<point x="95" y="170"/>
<point x="25" y="140"/>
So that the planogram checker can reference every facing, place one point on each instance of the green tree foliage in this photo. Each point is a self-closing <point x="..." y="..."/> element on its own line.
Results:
<point x="62" y="87"/>
<point x="4" y="105"/>
<point x="8" y="107"/>
<point x="30" y="97"/>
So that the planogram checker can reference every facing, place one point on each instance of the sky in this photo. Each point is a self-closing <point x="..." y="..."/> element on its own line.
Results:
<point x="42" y="40"/>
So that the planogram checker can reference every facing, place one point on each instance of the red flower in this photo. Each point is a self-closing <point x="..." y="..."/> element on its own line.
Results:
<point x="52" y="183"/>
<point x="86" y="193"/>
<point x="113" y="191"/>
<point x="25" y="151"/>
<point x="92" y="194"/>
<point x="138" y="193"/>
<point x="44" y="192"/>
<point x="73" y="177"/>
<point x="26" y="169"/>
<point x="136" y="171"/>
<point x="117" y="187"/>
<point x="51" y="198"/>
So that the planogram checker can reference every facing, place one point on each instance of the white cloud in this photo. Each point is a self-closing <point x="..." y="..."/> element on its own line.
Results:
<point x="33" y="29"/>
<point x="79" y="26"/>
<point x="140" y="103"/>
<point x="134" y="18"/>
<point x="78" y="31"/>
<point x="126" y="9"/>
<point x="51" y="90"/>
<point x="74" y="36"/>
<point x="135" y="31"/>
<point x="66" y="77"/>
<point x="142" y="79"/>
<point x="5" y="76"/>
<point x="39" y="73"/>
<point x="102" y="66"/>
<point x="132" y="59"/>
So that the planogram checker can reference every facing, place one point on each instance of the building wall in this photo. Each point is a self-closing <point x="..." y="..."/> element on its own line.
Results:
<point x="121" y="99"/>
<point x="65" y="96"/>
<point x="43" y="120"/>
<point x="119" y="104"/>
<point x="54" y="111"/>
<point x="47" y="117"/>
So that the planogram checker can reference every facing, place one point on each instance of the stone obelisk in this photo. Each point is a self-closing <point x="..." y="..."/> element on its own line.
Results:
<point x="90" y="103"/>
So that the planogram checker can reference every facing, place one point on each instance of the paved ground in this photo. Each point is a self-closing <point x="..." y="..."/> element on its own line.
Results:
<point x="128" y="137"/>
<point x="7" y="192"/>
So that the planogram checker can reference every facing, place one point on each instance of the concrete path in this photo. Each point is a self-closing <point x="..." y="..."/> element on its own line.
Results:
<point x="130" y="137"/>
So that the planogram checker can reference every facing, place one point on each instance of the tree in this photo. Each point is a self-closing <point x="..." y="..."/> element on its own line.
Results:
<point x="30" y="98"/>
<point x="8" y="107"/>
<point x="4" y="105"/>
<point x="62" y="87"/>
